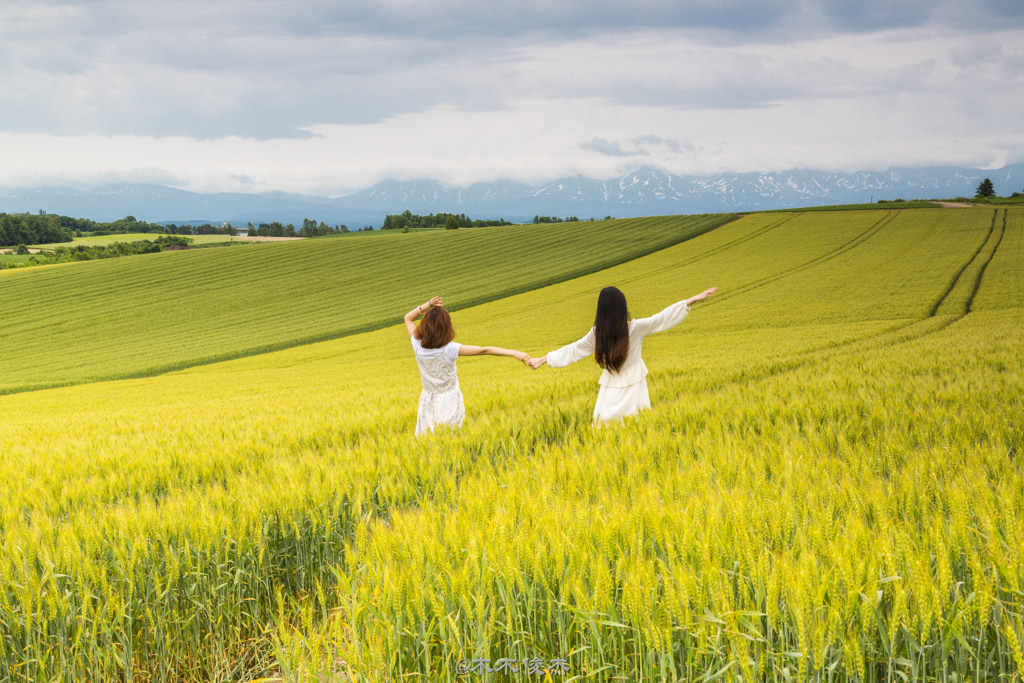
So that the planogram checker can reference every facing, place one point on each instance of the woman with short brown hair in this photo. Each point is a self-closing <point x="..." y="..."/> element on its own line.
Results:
<point x="441" y="399"/>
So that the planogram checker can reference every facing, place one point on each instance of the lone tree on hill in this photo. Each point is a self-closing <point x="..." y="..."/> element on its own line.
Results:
<point x="985" y="189"/>
<point x="451" y="223"/>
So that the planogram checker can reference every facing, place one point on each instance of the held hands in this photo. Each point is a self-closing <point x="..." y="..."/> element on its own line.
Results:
<point x="523" y="357"/>
<point x="537" y="362"/>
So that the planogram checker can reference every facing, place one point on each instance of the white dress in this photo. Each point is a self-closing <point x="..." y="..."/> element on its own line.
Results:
<point x="624" y="392"/>
<point x="441" y="399"/>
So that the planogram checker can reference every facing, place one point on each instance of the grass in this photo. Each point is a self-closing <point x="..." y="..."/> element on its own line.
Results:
<point x="827" y="486"/>
<point x="15" y="258"/>
<point x="154" y="313"/>
<point x="993" y="201"/>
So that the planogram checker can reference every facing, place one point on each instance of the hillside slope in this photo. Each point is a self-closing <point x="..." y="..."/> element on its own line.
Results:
<point x="144" y="315"/>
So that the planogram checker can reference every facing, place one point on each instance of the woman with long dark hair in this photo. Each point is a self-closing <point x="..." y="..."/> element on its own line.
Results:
<point x="436" y="353"/>
<point x="616" y="342"/>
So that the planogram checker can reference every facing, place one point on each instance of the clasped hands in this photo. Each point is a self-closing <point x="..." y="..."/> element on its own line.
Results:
<point x="532" y="363"/>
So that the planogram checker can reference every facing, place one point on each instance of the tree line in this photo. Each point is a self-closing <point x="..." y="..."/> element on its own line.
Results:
<point x="45" y="228"/>
<point x="27" y="228"/>
<point x="567" y="219"/>
<point x="310" y="228"/>
<point x="407" y="220"/>
<point x="987" y="190"/>
<point x="81" y="252"/>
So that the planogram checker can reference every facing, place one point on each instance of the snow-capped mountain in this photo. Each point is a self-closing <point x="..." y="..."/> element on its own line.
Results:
<point x="651" y="191"/>
<point x="645" y="192"/>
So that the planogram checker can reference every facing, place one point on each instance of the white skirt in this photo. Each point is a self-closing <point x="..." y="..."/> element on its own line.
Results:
<point x="444" y="408"/>
<point x="615" y="403"/>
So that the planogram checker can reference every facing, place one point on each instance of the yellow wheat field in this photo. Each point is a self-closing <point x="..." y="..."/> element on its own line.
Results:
<point x="828" y="486"/>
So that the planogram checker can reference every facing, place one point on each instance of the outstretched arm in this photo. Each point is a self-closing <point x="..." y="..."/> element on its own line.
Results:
<point x="700" y="297"/>
<point x="570" y="353"/>
<point x="410" y="317"/>
<point x="671" y="316"/>
<point x="467" y="350"/>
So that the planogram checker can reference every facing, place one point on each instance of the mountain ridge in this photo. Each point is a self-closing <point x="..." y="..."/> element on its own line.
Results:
<point x="647" y="191"/>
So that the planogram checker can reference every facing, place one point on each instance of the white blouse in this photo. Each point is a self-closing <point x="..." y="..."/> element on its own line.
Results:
<point x="633" y="370"/>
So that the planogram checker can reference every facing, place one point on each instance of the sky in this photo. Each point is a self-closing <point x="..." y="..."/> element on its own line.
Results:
<point x="327" y="97"/>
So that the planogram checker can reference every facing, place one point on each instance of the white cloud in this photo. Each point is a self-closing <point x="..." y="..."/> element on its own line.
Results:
<point x="326" y="98"/>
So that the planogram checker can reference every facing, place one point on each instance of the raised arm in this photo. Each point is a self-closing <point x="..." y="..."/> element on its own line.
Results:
<point x="410" y="317"/>
<point x="670" y="317"/>
<point x="467" y="350"/>
<point x="570" y="353"/>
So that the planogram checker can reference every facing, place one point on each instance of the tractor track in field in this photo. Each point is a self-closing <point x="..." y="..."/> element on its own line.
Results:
<point x="984" y="266"/>
<point x="838" y="251"/>
<point x="929" y="324"/>
<point x="890" y="336"/>
<point x="717" y="250"/>
<point x="956" y="277"/>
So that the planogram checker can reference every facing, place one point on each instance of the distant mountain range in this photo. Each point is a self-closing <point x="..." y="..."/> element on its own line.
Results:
<point x="645" y="192"/>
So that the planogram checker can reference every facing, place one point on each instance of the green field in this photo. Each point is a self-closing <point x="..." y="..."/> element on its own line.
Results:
<point x="827" y="487"/>
<point x="15" y="258"/>
<point x="153" y="313"/>
<point x="104" y="240"/>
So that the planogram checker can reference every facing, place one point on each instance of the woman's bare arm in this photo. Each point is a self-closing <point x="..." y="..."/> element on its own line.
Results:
<point x="410" y="317"/>
<point x="467" y="350"/>
<point x="700" y="297"/>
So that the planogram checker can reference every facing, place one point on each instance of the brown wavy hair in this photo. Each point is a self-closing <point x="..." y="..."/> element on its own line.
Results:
<point x="611" y="329"/>
<point x="435" y="330"/>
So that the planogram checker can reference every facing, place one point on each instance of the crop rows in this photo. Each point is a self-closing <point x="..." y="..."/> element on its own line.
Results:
<point x="827" y="487"/>
<point x="155" y="313"/>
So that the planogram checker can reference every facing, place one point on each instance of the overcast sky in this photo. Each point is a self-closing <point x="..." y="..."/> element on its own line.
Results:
<point x="326" y="97"/>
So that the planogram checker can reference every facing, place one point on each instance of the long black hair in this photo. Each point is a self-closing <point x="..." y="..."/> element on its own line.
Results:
<point x="611" y="329"/>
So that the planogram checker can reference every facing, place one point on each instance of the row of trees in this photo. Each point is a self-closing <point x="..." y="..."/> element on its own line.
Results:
<point x="27" y="228"/>
<point x="407" y="220"/>
<point x="119" y="227"/>
<point x="555" y="219"/>
<point x="567" y="219"/>
<point x="44" y="228"/>
<point x="204" y="229"/>
<point x="310" y="228"/>
<point x="81" y="252"/>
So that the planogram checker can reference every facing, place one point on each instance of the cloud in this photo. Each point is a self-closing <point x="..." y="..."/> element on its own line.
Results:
<point x="611" y="149"/>
<point x="676" y="146"/>
<point x="272" y="69"/>
<point x="325" y="96"/>
<point x="640" y="146"/>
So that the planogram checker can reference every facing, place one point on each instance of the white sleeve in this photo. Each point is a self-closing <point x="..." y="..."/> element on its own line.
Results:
<point x="416" y="346"/>
<point x="451" y="351"/>
<point x="571" y="353"/>
<point x="667" y="319"/>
